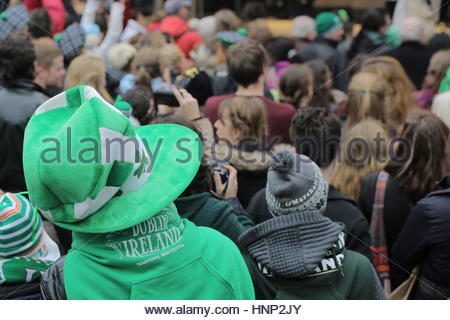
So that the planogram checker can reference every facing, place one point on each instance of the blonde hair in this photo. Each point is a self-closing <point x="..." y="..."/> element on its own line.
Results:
<point x="146" y="64"/>
<point x="366" y="99"/>
<point x="227" y="20"/>
<point x="87" y="70"/>
<point x="170" y="56"/>
<point x="364" y="150"/>
<point x="248" y="114"/>
<point x="399" y="99"/>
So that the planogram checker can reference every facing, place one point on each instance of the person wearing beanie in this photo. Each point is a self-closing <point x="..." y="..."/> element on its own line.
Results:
<point x="175" y="25"/>
<point x="116" y="196"/>
<point x="330" y="33"/>
<point x="303" y="31"/>
<point x="26" y="250"/>
<point x="299" y="253"/>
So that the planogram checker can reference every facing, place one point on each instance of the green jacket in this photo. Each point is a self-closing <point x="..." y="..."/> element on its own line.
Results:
<point x="228" y="216"/>
<point x="164" y="257"/>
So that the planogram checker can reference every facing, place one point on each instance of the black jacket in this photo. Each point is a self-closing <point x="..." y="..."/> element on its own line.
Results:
<point x="18" y="101"/>
<point x="339" y="209"/>
<point x="425" y="242"/>
<point x="414" y="58"/>
<point x="397" y="206"/>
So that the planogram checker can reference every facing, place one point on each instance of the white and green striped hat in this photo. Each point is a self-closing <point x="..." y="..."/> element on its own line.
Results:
<point x="21" y="230"/>
<point x="88" y="169"/>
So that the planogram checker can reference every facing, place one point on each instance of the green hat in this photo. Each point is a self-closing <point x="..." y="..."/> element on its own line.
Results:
<point x="21" y="230"/>
<point x="327" y="22"/>
<point x="123" y="106"/>
<point x="88" y="169"/>
<point x="445" y="83"/>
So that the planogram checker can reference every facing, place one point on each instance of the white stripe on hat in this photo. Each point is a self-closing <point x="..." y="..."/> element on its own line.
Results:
<point x="15" y="243"/>
<point x="58" y="101"/>
<point x="29" y="244"/>
<point x="87" y="207"/>
<point x="90" y="93"/>
<point x="16" y="233"/>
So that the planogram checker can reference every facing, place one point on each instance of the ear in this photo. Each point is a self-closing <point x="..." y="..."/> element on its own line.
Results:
<point x="37" y="68"/>
<point x="236" y="134"/>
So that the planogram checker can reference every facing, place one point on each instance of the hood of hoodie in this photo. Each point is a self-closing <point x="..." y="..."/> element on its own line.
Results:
<point x="295" y="245"/>
<point x="249" y="158"/>
<point x="173" y="25"/>
<point x="189" y="206"/>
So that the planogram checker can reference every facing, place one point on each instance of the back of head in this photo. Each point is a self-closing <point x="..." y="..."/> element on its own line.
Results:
<point x="423" y="156"/>
<point x="253" y="10"/>
<point x="295" y="84"/>
<point x="278" y="48"/>
<point x="295" y="185"/>
<point x="364" y="150"/>
<point x="412" y="29"/>
<point x="141" y="101"/>
<point x="373" y="20"/>
<point x="322" y="84"/>
<point x="146" y="63"/>
<point x="248" y="114"/>
<point x="399" y="88"/>
<point x="87" y="70"/>
<point x="170" y="56"/>
<point x="227" y="20"/>
<point x="17" y="58"/>
<point x="120" y="55"/>
<point x="46" y="52"/>
<point x="259" y="31"/>
<point x="365" y="98"/>
<point x="440" y="41"/>
<point x="40" y="24"/>
<point x="315" y="133"/>
<point x="303" y="26"/>
<point x="246" y="61"/>
<point x="437" y="69"/>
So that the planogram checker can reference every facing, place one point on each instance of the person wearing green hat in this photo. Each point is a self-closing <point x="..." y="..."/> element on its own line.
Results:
<point x="89" y="170"/>
<point x="330" y="33"/>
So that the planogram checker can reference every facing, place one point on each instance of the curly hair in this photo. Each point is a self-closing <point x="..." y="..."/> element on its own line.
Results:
<point x="18" y="58"/>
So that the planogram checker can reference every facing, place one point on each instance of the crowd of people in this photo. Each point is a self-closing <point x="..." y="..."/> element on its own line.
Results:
<point x="153" y="155"/>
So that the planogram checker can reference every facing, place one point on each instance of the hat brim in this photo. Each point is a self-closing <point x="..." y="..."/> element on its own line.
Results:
<point x="176" y="158"/>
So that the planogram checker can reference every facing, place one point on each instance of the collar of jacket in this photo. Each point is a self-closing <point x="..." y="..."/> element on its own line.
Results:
<point x="292" y="246"/>
<point x="21" y="83"/>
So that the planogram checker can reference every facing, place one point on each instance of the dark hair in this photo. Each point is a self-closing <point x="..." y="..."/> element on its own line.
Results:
<point x="372" y="20"/>
<point x="316" y="132"/>
<point x="253" y="10"/>
<point x="18" y="58"/>
<point x="278" y="48"/>
<point x="141" y="101"/>
<point x="295" y="83"/>
<point x="39" y="24"/>
<point x="439" y="41"/>
<point x="246" y="61"/>
<point x="202" y="182"/>
<point x="322" y="97"/>
<point x="428" y="157"/>
<point x="100" y="20"/>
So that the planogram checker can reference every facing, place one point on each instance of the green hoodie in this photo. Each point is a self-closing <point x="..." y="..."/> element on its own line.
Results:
<point x="164" y="257"/>
<point x="223" y="216"/>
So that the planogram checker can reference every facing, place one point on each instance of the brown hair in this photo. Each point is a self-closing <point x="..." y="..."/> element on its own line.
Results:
<point x="258" y="30"/>
<point x="426" y="154"/>
<point x="399" y="89"/>
<point x="322" y="97"/>
<point x="248" y="114"/>
<point x="296" y="83"/>
<point x="359" y="156"/>
<point x="365" y="99"/>
<point x="246" y="61"/>
<point x="46" y="52"/>
<point x="227" y="20"/>
<point x="87" y="70"/>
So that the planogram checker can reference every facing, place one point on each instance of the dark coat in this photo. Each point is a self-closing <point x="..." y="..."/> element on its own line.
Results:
<point x="339" y="209"/>
<point x="18" y="101"/>
<point x="425" y="242"/>
<point x="414" y="57"/>
<point x="397" y="206"/>
<point x="206" y="211"/>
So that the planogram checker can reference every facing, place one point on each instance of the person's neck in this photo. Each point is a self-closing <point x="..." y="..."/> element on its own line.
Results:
<point x="326" y="172"/>
<point x="253" y="90"/>
<point x="40" y="83"/>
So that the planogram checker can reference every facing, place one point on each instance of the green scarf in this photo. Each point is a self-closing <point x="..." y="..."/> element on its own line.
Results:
<point x="164" y="257"/>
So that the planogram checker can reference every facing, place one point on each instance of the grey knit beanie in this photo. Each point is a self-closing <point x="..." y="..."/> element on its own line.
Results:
<point x="295" y="184"/>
